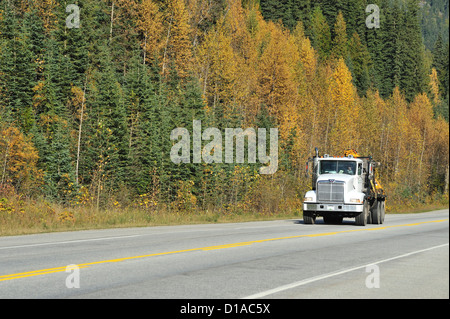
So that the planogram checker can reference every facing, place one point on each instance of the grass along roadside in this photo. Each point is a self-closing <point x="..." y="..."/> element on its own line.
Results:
<point x="45" y="217"/>
<point x="29" y="216"/>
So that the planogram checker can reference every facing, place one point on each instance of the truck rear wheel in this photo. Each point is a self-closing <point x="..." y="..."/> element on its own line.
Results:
<point x="361" y="219"/>
<point x="376" y="213"/>
<point x="382" y="211"/>
<point x="309" y="218"/>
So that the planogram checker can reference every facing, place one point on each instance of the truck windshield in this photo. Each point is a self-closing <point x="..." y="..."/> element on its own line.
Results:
<point x="337" y="167"/>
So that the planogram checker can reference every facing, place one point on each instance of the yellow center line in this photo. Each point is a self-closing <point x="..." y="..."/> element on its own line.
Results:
<point x="33" y="273"/>
<point x="39" y="272"/>
<point x="209" y="248"/>
<point x="226" y="246"/>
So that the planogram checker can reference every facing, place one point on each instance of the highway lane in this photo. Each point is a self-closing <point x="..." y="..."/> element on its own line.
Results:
<point x="406" y="257"/>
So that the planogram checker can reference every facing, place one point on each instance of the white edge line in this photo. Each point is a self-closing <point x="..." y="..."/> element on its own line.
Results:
<point x="336" y="273"/>
<point x="101" y="238"/>
<point x="68" y="242"/>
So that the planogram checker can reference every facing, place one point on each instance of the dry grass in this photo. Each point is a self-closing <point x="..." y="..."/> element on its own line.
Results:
<point x="28" y="217"/>
<point x="19" y="216"/>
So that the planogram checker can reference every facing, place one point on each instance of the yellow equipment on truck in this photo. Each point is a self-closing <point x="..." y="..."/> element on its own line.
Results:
<point x="344" y="186"/>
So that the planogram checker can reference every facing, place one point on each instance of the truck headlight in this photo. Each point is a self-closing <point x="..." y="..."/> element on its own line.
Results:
<point x="308" y="199"/>
<point x="355" y="200"/>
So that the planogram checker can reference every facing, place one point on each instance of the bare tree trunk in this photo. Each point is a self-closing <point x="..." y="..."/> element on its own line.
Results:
<point x="397" y="161"/>
<point x="112" y="21"/>
<point x="79" y="132"/>
<point x="421" y="156"/>
<point x="313" y="131"/>
<point x="5" y="163"/>
<point x="98" y="193"/>
<point x="408" y="168"/>
<point x="167" y="44"/>
<point x="133" y="124"/>
<point x="386" y="151"/>
<point x="326" y="133"/>
<point x="205" y="82"/>
<point x="446" y="180"/>
<point x="145" y="49"/>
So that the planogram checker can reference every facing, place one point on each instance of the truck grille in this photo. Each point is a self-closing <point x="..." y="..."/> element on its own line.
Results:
<point x="328" y="191"/>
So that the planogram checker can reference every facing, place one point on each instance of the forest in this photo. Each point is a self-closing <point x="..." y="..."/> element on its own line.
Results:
<point x="86" y="111"/>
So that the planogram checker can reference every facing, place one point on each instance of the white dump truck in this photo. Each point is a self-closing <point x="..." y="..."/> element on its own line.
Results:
<point x="344" y="186"/>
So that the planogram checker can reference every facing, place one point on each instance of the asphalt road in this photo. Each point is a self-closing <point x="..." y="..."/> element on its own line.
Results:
<point x="406" y="257"/>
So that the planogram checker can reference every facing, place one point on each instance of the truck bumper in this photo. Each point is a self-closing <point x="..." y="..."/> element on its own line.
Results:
<point x="331" y="207"/>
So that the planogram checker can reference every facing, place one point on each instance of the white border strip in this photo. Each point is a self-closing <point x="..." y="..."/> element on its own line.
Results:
<point x="76" y="241"/>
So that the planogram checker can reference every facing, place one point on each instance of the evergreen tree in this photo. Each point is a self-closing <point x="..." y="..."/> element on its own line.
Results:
<point x="445" y="84"/>
<point x="355" y="16"/>
<point x="361" y="64"/>
<point x="434" y="21"/>
<point x="393" y="48"/>
<point x="106" y="128"/>
<point x="440" y="63"/>
<point x="413" y="79"/>
<point x="17" y="68"/>
<point x="73" y="43"/>
<point x="397" y="50"/>
<point x="321" y="34"/>
<point x="300" y="11"/>
<point x="330" y="9"/>
<point x="51" y="132"/>
<point x="141" y="103"/>
<point x="340" y="48"/>
<point x="274" y="10"/>
<point x="190" y="107"/>
<point x="289" y="12"/>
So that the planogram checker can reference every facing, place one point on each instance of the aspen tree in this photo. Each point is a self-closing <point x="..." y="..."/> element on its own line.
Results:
<point x="178" y="48"/>
<point x="18" y="160"/>
<point x="344" y="133"/>
<point x="218" y="68"/>
<point x="150" y="23"/>
<point x="421" y="117"/>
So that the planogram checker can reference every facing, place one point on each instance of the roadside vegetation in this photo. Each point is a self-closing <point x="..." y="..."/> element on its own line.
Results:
<point x="20" y="216"/>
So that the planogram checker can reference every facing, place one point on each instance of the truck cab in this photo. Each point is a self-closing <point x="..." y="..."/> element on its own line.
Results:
<point x="343" y="187"/>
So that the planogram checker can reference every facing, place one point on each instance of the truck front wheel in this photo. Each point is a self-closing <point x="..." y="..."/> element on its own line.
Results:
<point x="309" y="218"/>
<point x="361" y="219"/>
